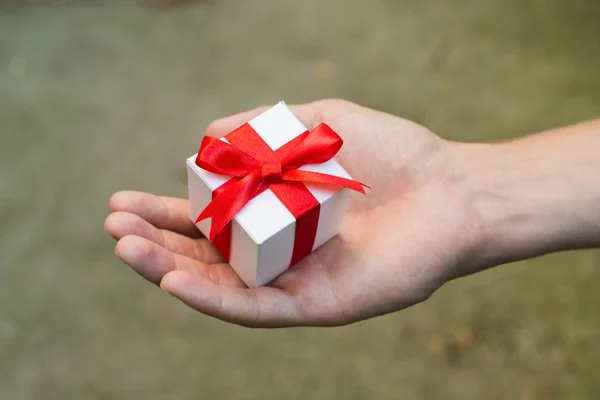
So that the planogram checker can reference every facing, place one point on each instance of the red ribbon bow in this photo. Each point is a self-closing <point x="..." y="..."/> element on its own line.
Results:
<point x="254" y="167"/>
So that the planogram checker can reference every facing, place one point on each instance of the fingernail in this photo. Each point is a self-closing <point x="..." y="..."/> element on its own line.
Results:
<point x="166" y="291"/>
<point x="162" y="288"/>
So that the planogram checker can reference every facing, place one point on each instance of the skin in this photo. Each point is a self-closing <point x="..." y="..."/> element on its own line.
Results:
<point x="438" y="210"/>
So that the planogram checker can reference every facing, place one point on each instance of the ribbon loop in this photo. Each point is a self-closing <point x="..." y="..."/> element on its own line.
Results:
<point x="319" y="146"/>
<point x="222" y="158"/>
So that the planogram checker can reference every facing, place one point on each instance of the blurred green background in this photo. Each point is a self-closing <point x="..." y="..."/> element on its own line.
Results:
<point x="99" y="96"/>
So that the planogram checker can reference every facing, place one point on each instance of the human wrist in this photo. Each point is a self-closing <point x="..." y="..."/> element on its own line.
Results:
<point x="532" y="196"/>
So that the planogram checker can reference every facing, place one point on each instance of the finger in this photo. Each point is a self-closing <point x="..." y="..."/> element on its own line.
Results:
<point x="258" y="307"/>
<point x="310" y="114"/>
<point x="120" y="224"/>
<point x="152" y="262"/>
<point x="163" y="212"/>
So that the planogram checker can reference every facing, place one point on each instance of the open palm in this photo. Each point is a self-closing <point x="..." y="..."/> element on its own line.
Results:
<point x="398" y="244"/>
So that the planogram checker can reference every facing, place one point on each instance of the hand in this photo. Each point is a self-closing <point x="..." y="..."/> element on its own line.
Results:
<point x="411" y="233"/>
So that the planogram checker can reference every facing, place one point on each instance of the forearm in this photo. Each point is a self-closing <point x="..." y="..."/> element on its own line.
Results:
<point x="538" y="194"/>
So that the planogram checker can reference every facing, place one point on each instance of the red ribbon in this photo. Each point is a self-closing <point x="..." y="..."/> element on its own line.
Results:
<point x="255" y="167"/>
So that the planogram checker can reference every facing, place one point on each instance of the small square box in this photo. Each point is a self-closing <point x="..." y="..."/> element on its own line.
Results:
<point x="263" y="232"/>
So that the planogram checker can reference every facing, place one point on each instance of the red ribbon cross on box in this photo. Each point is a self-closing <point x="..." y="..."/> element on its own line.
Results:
<point x="254" y="167"/>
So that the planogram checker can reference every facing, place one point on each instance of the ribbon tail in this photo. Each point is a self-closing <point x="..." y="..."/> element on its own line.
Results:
<point x="317" y="177"/>
<point x="224" y="207"/>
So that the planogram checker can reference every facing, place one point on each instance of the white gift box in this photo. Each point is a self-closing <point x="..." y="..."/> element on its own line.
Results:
<point x="263" y="232"/>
